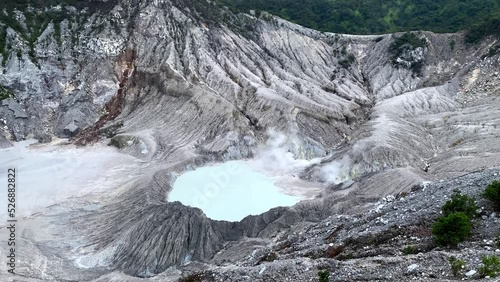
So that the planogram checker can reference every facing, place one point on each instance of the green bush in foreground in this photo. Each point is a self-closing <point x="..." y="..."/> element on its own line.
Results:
<point x="324" y="276"/>
<point x="491" y="266"/>
<point x="492" y="193"/>
<point x="451" y="229"/>
<point x="460" y="203"/>
<point x="457" y="265"/>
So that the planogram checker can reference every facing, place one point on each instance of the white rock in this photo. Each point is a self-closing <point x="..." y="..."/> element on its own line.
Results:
<point x="412" y="268"/>
<point x="262" y="270"/>
<point x="470" y="273"/>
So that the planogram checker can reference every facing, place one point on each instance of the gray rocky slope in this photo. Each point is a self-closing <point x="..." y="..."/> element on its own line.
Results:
<point x="190" y="83"/>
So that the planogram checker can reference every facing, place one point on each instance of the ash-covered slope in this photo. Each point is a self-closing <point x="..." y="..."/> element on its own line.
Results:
<point x="179" y="84"/>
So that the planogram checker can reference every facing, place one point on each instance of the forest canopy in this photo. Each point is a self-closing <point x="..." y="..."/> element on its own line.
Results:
<point x="376" y="16"/>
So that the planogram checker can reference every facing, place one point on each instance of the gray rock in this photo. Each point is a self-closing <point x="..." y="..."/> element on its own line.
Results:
<point x="15" y="107"/>
<point x="71" y="129"/>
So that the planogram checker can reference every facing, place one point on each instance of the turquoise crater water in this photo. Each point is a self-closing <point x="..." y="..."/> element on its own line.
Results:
<point x="229" y="191"/>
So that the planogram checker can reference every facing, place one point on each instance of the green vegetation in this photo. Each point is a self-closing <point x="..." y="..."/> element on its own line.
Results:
<point x="324" y="276"/>
<point x="5" y="93"/>
<point x="3" y="45"/>
<point x="36" y="23"/>
<point x="492" y="193"/>
<point x="457" y="266"/>
<point x="456" y="222"/>
<point x="490" y="267"/>
<point x="486" y="27"/>
<point x="460" y="203"/>
<point x="453" y="43"/>
<point x="410" y="250"/>
<point x="347" y="61"/>
<point x="408" y="39"/>
<point x="376" y="17"/>
<point x="341" y="16"/>
<point x="402" y="48"/>
<point x="452" y="229"/>
<point x="21" y="5"/>
<point x="494" y="50"/>
<point x="39" y="14"/>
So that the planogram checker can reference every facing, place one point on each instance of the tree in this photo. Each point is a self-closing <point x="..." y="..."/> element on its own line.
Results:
<point x="492" y="193"/>
<point x="451" y="229"/>
<point x="460" y="203"/>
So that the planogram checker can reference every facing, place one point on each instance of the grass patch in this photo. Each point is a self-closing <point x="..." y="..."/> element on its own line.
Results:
<point x="409" y="250"/>
<point x="5" y="93"/>
<point x="490" y="267"/>
<point x="457" y="266"/>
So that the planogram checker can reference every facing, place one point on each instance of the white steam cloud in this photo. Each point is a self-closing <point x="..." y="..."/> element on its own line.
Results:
<point x="337" y="171"/>
<point x="277" y="155"/>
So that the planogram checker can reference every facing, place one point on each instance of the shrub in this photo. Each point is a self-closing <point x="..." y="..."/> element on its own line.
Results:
<point x="451" y="229"/>
<point x="5" y="93"/>
<point x="492" y="193"/>
<point x="324" y="276"/>
<point x="3" y="45"/>
<point x="453" y="43"/>
<point x="269" y="257"/>
<point x="409" y="250"/>
<point x="347" y="61"/>
<point x="457" y="265"/>
<point x="196" y="277"/>
<point x="399" y="49"/>
<point x="408" y="39"/>
<point x="460" y="203"/>
<point x="491" y="266"/>
<point x="494" y="50"/>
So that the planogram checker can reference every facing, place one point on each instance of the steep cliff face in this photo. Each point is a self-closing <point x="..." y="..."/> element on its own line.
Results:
<point x="189" y="83"/>
<point x="254" y="73"/>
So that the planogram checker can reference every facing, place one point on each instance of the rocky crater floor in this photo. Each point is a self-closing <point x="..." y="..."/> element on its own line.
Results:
<point x="375" y="136"/>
